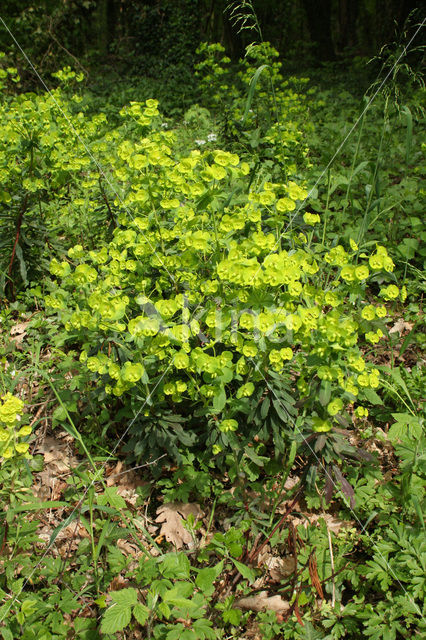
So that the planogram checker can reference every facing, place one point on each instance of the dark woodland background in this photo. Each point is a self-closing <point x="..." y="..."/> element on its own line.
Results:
<point x="147" y="36"/>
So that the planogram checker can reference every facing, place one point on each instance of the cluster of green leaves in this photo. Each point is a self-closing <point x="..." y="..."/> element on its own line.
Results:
<point x="212" y="313"/>
<point x="266" y="117"/>
<point x="43" y="156"/>
<point x="371" y="190"/>
<point x="207" y="289"/>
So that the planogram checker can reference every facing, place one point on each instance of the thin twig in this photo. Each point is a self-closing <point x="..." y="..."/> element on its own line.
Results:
<point x="256" y="552"/>
<point x="110" y="213"/>
<point x="140" y="466"/>
<point x="333" y="590"/>
<point x="61" y="46"/>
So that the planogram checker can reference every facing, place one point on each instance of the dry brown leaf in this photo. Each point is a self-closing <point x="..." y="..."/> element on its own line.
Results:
<point x="283" y="507"/>
<point x="128" y="548"/>
<point x="129" y="495"/>
<point x="72" y="533"/>
<point x="400" y="326"/>
<point x="333" y="524"/>
<point x="113" y="473"/>
<point x="18" y="333"/>
<point x="291" y="482"/>
<point x="118" y="582"/>
<point x="172" y="516"/>
<point x="55" y="454"/>
<point x="261" y="602"/>
<point x="280" y="568"/>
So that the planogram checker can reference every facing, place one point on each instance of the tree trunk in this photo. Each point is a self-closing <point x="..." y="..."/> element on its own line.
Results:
<point x="347" y="24"/>
<point x="318" y="16"/>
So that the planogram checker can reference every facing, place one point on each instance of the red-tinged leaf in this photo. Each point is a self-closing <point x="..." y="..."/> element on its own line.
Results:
<point x="329" y="486"/>
<point x="346" y="487"/>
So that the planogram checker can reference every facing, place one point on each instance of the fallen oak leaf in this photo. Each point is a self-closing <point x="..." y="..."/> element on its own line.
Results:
<point x="172" y="516"/>
<point x="400" y="326"/>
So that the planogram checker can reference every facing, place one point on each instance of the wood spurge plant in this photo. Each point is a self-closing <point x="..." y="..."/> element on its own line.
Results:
<point x="211" y="290"/>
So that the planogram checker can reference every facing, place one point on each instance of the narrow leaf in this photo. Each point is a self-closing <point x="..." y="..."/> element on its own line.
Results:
<point x="252" y="88"/>
<point x="246" y="572"/>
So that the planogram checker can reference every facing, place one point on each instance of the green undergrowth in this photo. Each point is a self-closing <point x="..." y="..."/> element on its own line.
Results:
<point x="219" y="299"/>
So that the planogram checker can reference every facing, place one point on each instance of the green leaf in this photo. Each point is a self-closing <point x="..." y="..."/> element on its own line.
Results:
<point x="246" y="572"/>
<point x="233" y="616"/>
<point x="57" y="530"/>
<point x="175" y="565"/>
<point x="38" y="506"/>
<point x="254" y="457"/>
<point x="418" y="510"/>
<point x="252" y="88"/>
<point x="206" y="577"/>
<point x="219" y="401"/>
<point x="22" y="265"/>
<point x="176" y="632"/>
<point x="141" y="613"/>
<point x="116" y="618"/>
<point x="372" y="396"/>
<point x="325" y="392"/>
<point x="116" y="560"/>
<point x="292" y="455"/>
<point x="264" y="407"/>
<point x="408" y="247"/>
<point x="111" y="497"/>
<point x="180" y="633"/>
<point x="101" y="601"/>
<point x="279" y="408"/>
<point x="59" y="414"/>
<point x="179" y="593"/>
<point x="309" y="631"/>
<point x="203" y="629"/>
<point x="395" y="374"/>
<point x="125" y="597"/>
<point x="405" y="427"/>
<point x="29" y="606"/>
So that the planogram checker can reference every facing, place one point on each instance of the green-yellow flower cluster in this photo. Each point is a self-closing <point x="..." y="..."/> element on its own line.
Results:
<point x="12" y="444"/>
<point x="202" y="282"/>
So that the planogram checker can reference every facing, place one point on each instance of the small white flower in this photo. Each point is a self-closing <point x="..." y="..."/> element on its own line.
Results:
<point x="164" y="125"/>
<point x="200" y="142"/>
<point x="212" y="137"/>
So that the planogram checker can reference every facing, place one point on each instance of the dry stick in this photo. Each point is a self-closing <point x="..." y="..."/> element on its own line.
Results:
<point x="253" y="555"/>
<point x="6" y="531"/>
<point x="110" y="213"/>
<point x="256" y="552"/>
<point x="61" y="46"/>
<point x="292" y="543"/>
<point x="330" y="546"/>
<point x="43" y="404"/>
<point x="295" y="606"/>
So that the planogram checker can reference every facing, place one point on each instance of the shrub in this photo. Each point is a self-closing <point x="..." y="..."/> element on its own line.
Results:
<point x="263" y="114"/>
<point x="43" y="156"/>
<point x="214" y="308"/>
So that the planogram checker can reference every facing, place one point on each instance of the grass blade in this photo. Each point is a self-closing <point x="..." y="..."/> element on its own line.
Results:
<point x="252" y="88"/>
